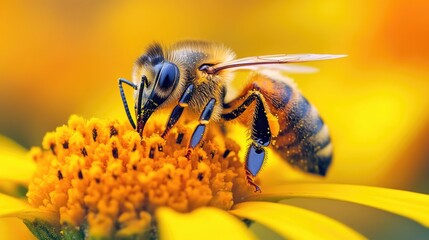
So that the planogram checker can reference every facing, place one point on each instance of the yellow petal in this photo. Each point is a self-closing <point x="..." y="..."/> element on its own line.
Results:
<point x="203" y="223"/>
<point x="14" y="162"/>
<point x="13" y="228"/>
<point x="412" y="205"/>
<point x="293" y="222"/>
<point x="13" y="207"/>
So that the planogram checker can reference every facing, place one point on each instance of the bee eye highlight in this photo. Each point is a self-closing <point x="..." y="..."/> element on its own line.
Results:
<point x="168" y="76"/>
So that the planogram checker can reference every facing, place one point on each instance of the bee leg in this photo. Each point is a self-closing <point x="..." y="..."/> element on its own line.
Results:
<point x="178" y="110"/>
<point x="124" y="99"/>
<point x="260" y="135"/>
<point x="199" y="131"/>
<point x="254" y="160"/>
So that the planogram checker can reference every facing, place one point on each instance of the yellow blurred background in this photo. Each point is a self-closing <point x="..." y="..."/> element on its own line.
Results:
<point x="59" y="58"/>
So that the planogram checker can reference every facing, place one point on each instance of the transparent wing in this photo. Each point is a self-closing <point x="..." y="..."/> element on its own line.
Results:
<point x="271" y="59"/>
<point x="280" y="67"/>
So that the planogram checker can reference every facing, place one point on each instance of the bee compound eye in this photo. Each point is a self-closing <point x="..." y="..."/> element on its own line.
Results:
<point x="168" y="76"/>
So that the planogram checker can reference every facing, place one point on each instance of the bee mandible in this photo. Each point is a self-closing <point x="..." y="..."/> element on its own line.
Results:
<point x="196" y="76"/>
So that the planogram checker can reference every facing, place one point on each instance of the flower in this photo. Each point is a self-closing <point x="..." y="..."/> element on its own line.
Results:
<point x="99" y="179"/>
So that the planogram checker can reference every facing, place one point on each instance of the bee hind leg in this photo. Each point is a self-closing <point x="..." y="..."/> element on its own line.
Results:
<point x="260" y="135"/>
<point x="201" y="128"/>
<point x="178" y="110"/>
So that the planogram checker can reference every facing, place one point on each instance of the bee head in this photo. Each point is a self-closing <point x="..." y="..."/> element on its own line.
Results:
<point x="165" y="77"/>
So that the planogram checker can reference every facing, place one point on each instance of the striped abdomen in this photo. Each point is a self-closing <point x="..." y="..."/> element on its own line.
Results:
<point x="303" y="139"/>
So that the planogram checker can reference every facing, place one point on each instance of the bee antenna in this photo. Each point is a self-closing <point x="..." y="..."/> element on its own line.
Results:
<point x="144" y="79"/>
<point x="124" y="99"/>
<point x="140" y="95"/>
<point x="207" y="68"/>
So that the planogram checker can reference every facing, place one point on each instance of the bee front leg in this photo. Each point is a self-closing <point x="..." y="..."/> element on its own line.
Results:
<point x="201" y="128"/>
<point x="178" y="110"/>
<point x="260" y="134"/>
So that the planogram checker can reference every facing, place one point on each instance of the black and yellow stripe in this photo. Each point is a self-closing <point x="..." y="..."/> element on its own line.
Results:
<point x="304" y="139"/>
<point x="310" y="149"/>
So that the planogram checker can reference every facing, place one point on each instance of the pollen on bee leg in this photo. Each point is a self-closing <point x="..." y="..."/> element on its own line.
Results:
<point x="109" y="181"/>
<point x="273" y="122"/>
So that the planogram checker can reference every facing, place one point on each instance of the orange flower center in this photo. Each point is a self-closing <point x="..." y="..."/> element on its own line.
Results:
<point x="102" y="174"/>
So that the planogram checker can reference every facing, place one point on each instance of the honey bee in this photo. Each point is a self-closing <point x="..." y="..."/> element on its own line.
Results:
<point x="196" y="76"/>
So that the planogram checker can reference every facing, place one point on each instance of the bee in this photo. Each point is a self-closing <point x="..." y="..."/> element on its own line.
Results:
<point x="197" y="75"/>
